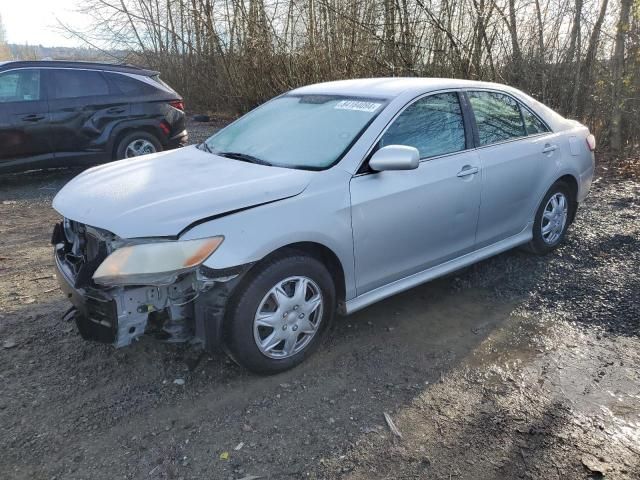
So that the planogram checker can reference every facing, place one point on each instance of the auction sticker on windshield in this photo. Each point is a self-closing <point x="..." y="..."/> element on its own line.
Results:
<point x="357" y="105"/>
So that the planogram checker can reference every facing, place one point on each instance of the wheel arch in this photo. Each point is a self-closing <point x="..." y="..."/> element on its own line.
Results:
<point x="572" y="183"/>
<point x="320" y="252"/>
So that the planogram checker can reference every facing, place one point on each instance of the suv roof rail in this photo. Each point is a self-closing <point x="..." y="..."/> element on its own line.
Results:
<point x="114" y="67"/>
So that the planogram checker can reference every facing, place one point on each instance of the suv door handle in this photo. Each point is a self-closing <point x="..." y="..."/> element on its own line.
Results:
<point x="34" y="117"/>
<point x="116" y="110"/>
<point x="467" y="170"/>
<point x="548" y="148"/>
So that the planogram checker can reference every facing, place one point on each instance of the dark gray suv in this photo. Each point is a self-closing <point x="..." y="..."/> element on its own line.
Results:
<point x="55" y="114"/>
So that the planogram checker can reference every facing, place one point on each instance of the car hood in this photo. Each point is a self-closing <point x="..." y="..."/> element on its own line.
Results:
<point x="163" y="193"/>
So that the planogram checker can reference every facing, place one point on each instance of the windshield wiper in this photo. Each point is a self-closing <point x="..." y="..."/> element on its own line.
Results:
<point x="204" y="146"/>
<point x="244" y="157"/>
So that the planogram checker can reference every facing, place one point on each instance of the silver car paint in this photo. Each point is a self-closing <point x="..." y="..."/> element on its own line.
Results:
<point x="394" y="233"/>
<point x="161" y="194"/>
<point x="405" y="222"/>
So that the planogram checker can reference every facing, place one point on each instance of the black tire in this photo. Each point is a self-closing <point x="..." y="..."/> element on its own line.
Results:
<point x="537" y="244"/>
<point x="243" y="305"/>
<point x="120" y="152"/>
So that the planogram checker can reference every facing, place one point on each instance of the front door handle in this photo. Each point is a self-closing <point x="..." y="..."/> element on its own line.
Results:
<point x="33" y="118"/>
<point x="467" y="170"/>
<point x="548" y="148"/>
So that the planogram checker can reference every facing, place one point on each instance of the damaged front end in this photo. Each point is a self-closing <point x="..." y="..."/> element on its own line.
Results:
<point x="121" y="289"/>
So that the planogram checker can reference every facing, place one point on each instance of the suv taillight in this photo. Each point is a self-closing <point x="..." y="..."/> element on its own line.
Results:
<point x="179" y="104"/>
<point x="591" y="142"/>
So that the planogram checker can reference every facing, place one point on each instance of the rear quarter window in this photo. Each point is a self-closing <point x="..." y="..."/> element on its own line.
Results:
<point x="532" y="123"/>
<point x="127" y="85"/>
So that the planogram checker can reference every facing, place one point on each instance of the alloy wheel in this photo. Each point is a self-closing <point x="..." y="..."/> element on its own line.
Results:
<point x="139" y="147"/>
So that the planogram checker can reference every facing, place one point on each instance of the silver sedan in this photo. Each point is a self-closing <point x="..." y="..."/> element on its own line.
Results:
<point x="325" y="199"/>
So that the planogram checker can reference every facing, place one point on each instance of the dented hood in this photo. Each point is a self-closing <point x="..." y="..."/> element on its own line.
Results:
<point x="161" y="194"/>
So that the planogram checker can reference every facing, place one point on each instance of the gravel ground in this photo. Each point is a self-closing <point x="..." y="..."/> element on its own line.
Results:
<point x="518" y="367"/>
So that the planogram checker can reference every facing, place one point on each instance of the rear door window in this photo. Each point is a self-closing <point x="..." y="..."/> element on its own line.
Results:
<point x="431" y="124"/>
<point x="497" y="117"/>
<point x="20" y="86"/>
<point x="78" y="84"/>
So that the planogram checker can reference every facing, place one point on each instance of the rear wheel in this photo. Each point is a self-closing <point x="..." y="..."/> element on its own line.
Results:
<point x="552" y="219"/>
<point x="136" y="144"/>
<point x="280" y="314"/>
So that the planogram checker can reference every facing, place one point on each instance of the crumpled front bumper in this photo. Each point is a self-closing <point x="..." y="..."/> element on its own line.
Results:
<point x="96" y="313"/>
<point x="190" y="309"/>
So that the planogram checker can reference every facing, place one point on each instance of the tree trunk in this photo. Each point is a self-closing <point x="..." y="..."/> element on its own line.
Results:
<point x="617" y="71"/>
<point x="589" y="60"/>
<point x="515" y="43"/>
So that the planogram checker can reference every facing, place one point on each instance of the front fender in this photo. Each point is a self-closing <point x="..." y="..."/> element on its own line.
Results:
<point x="321" y="214"/>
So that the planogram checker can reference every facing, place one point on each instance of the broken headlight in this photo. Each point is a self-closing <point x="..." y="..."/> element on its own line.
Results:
<point x="154" y="263"/>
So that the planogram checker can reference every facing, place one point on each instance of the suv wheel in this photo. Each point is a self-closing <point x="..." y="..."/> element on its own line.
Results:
<point x="136" y="144"/>
<point x="280" y="314"/>
<point x="552" y="219"/>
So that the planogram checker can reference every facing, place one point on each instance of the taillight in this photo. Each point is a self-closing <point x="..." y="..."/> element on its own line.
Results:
<point x="165" y="127"/>
<point x="591" y="142"/>
<point x="179" y="104"/>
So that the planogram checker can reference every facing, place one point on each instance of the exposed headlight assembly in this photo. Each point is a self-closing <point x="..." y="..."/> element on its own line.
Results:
<point x="154" y="263"/>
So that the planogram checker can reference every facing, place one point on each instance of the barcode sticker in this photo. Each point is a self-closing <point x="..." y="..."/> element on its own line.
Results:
<point x="357" y="105"/>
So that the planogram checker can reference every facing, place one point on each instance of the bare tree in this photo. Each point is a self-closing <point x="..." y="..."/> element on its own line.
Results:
<point x="5" y="53"/>
<point x="618" y="70"/>
<point x="234" y="54"/>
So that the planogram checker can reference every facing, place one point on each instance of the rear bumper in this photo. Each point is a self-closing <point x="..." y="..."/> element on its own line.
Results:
<point x="178" y="140"/>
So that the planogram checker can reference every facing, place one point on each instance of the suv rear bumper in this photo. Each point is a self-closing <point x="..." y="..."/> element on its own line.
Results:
<point x="178" y="140"/>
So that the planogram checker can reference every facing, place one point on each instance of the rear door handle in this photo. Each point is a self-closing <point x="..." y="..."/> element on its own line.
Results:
<point x="116" y="110"/>
<point x="33" y="118"/>
<point x="467" y="170"/>
<point x="549" y="148"/>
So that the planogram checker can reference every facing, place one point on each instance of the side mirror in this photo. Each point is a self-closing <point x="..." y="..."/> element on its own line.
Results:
<point x="395" y="157"/>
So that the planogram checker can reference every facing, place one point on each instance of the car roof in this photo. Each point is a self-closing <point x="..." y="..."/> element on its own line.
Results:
<point x="390" y="87"/>
<point x="111" y="67"/>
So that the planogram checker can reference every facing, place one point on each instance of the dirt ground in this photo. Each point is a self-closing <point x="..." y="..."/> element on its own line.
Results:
<point x="519" y="367"/>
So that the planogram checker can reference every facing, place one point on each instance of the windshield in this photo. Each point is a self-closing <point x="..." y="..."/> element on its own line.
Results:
<point x="297" y="131"/>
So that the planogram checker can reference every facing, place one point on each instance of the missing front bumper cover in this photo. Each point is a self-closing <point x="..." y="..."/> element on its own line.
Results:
<point x="190" y="309"/>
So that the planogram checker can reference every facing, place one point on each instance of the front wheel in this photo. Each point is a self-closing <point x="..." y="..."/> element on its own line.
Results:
<point x="280" y="313"/>
<point x="552" y="219"/>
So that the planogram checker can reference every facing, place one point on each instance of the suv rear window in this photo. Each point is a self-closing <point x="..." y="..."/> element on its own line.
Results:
<point x="129" y="85"/>
<point x="78" y="83"/>
<point x="157" y="79"/>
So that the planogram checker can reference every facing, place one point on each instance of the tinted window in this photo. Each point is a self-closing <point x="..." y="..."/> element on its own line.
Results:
<point x="20" y="86"/>
<point x="497" y="116"/>
<point x="432" y="124"/>
<point x="532" y="123"/>
<point x="78" y="83"/>
<point x="129" y="86"/>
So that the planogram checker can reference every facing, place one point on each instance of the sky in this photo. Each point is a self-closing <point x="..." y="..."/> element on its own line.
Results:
<point x="34" y="22"/>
